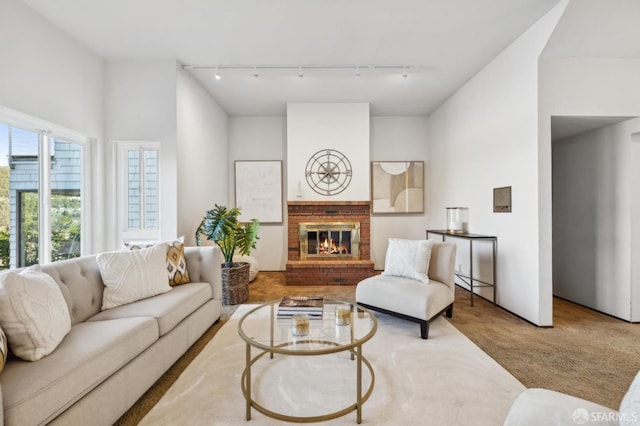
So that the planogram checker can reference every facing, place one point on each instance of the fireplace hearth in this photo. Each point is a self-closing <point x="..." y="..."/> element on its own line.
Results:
<point x="328" y="242"/>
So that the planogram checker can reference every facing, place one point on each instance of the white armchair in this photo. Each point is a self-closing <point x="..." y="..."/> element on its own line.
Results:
<point x="417" y="283"/>
<point x="535" y="407"/>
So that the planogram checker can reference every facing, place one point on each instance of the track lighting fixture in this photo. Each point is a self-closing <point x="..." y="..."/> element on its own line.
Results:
<point x="404" y="69"/>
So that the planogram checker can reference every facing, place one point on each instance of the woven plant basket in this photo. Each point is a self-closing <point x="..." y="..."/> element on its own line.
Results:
<point x="235" y="284"/>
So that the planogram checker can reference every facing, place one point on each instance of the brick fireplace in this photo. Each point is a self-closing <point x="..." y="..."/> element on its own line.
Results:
<point x="329" y="242"/>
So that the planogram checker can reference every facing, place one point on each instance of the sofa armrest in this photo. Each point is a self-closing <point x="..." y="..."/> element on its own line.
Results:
<point x="442" y="263"/>
<point x="535" y="407"/>
<point x="204" y="265"/>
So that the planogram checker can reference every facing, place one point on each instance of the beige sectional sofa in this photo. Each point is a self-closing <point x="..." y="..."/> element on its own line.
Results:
<point x="111" y="357"/>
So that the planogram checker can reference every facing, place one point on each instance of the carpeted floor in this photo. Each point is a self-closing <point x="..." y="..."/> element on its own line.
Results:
<point x="586" y="354"/>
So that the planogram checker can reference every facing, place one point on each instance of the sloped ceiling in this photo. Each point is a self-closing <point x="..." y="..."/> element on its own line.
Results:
<point x="594" y="29"/>
<point x="445" y="41"/>
<point x="597" y="29"/>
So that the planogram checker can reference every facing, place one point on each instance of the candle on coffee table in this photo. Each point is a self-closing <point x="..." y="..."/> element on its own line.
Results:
<point x="343" y="314"/>
<point x="300" y="324"/>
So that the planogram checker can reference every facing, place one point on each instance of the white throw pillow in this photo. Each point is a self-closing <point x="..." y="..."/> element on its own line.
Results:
<point x="408" y="258"/>
<point x="33" y="312"/>
<point x="133" y="275"/>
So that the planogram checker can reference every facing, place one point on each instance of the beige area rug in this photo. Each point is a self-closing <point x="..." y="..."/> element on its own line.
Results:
<point x="445" y="380"/>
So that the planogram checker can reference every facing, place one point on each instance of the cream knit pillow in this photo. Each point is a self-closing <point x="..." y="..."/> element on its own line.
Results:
<point x="408" y="258"/>
<point x="33" y="312"/>
<point x="133" y="275"/>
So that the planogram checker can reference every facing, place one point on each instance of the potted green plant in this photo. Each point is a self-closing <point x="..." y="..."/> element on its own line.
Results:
<point x="222" y="226"/>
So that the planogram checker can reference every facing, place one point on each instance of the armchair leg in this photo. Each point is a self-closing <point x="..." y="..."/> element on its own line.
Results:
<point x="449" y="312"/>
<point x="424" y="329"/>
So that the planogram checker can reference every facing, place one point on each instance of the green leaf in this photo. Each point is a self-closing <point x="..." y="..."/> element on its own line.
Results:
<point x="221" y="225"/>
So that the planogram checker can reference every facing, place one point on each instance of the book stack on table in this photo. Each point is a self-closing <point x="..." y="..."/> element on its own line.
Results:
<point x="310" y="305"/>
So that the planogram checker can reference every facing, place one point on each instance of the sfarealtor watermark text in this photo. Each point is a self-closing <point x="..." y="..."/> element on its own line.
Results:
<point x="581" y="416"/>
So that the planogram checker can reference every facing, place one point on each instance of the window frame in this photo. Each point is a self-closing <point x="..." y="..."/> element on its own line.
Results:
<point x="126" y="234"/>
<point x="46" y="131"/>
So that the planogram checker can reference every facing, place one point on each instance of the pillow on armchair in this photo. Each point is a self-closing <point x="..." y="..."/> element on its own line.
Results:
<point x="408" y="258"/>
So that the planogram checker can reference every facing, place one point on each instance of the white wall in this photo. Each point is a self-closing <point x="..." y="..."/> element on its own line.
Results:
<point x="47" y="75"/>
<point x="141" y="106"/>
<point x="398" y="139"/>
<point x="202" y="153"/>
<point x="582" y="86"/>
<point x="262" y="138"/>
<point x="312" y="127"/>
<point x="392" y="138"/>
<point x="635" y="227"/>
<point x="592" y="197"/>
<point x="483" y="137"/>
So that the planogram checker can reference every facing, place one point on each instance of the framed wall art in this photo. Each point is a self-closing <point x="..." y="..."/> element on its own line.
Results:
<point x="502" y="200"/>
<point x="259" y="190"/>
<point x="397" y="187"/>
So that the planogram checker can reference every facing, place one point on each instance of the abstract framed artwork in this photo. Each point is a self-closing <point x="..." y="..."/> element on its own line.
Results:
<point x="259" y="190"/>
<point x="397" y="187"/>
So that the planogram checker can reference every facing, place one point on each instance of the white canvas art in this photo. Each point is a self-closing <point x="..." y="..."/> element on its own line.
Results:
<point x="259" y="190"/>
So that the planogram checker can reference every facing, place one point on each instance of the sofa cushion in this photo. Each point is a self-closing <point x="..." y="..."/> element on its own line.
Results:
<point x="36" y="392"/>
<point x="133" y="275"/>
<point x="408" y="258"/>
<point x="403" y="295"/>
<point x="33" y="312"/>
<point x="168" y="308"/>
<point x="81" y="284"/>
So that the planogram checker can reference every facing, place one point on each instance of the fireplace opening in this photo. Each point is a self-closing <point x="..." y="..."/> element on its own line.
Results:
<point x="329" y="240"/>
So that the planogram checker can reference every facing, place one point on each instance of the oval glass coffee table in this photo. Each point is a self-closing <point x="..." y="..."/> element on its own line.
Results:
<point x="261" y="329"/>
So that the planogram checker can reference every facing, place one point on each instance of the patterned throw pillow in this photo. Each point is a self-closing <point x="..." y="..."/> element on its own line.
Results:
<point x="177" y="263"/>
<point x="4" y="350"/>
<point x="139" y="245"/>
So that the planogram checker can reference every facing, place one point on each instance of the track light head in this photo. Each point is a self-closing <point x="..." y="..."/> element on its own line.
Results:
<point x="217" y="75"/>
<point x="255" y="72"/>
<point x="404" y="72"/>
<point x="300" y="74"/>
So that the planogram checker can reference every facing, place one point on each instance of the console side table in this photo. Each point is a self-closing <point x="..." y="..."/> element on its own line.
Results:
<point x="471" y="238"/>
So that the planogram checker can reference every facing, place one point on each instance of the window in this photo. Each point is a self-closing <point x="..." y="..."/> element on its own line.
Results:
<point x="138" y="188"/>
<point x="41" y="196"/>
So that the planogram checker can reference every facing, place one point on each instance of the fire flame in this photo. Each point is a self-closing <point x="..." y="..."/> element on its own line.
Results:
<point x="329" y="246"/>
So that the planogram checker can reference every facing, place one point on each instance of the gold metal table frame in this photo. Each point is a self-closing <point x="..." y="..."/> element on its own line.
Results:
<point x="292" y="346"/>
